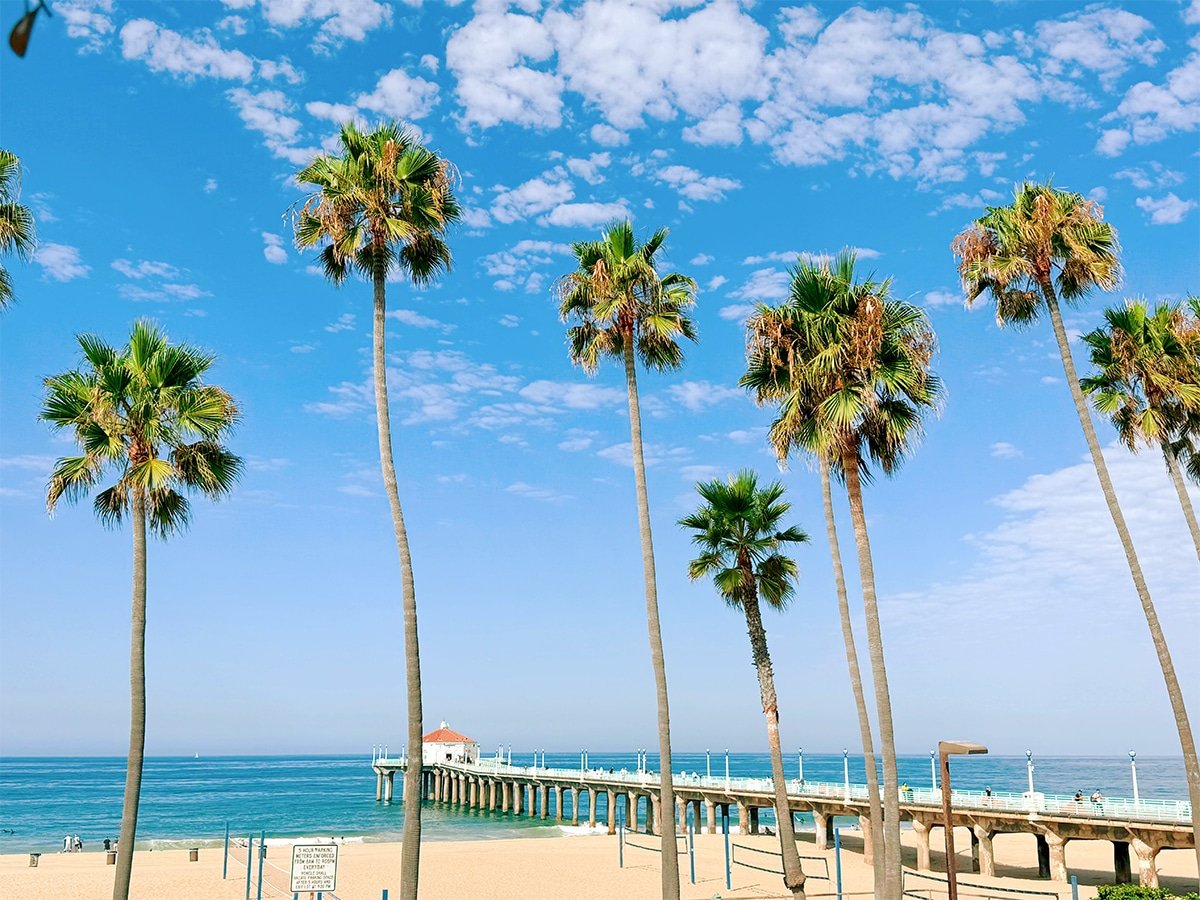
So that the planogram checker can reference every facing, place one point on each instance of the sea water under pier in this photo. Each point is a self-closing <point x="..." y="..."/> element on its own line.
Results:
<point x="1142" y="827"/>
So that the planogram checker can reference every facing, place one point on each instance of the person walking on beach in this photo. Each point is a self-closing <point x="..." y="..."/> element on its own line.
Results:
<point x="78" y="844"/>
<point x="66" y="844"/>
<point x="107" y="844"/>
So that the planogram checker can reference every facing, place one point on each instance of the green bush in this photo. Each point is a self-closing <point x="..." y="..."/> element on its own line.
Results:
<point x="1137" y="892"/>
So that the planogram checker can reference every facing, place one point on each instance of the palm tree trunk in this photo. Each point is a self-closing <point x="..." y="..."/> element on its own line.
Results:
<point x="1191" y="766"/>
<point x="883" y="700"/>
<point x="137" y="705"/>
<point x="1189" y="512"/>
<point x="793" y="873"/>
<point x="410" y="851"/>
<point x="670" y="861"/>
<point x="879" y="849"/>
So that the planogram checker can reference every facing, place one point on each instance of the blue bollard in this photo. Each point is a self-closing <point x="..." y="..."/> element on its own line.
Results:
<point x="249" y="857"/>
<point x="837" y="858"/>
<point x="1074" y="888"/>
<point x="728" y="869"/>
<point x="262" y="853"/>
<point x="692" y="850"/>
<point x="225" y="861"/>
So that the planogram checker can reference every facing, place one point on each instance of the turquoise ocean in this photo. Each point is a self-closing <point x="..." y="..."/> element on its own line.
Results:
<point x="187" y="802"/>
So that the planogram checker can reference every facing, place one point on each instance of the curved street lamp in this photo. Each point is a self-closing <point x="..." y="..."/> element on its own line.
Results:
<point x="946" y="749"/>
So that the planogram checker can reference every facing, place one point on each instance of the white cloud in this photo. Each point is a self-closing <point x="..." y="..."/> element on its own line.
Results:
<point x="273" y="249"/>
<point x="1168" y="210"/>
<point x="210" y="185"/>
<point x="532" y="197"/>
<point x="267" y="113"/>
<point x="764" y="284"/>
<point x="270" y="69"/>
<point x="585" y="215"/>
<point x="146" y="268"/>
<point x="607" y="136"/>
<point x="691" y="184"/>
<point x="340" y="20"/>
<point x="699" y="395"/>
<point x="577" y="439"/>
<point x="1152" y="112"/>
<point x="89" y="21"/>
<point x="701" y="259"/>
<point x="809" y="256"/>
<point x="655" y="454"/>
<point x="163" y="50"/>
<point x="590" y="169"/>
<point x="399" y="95"/>
<point x="715" y="282"/>
<point x="546" y="495"/>
<point x="1005" y="450"/>
<point x="345" y="322"/>
<point x="1191" y="14"/>
<point x="61" y="262"/>
<point x="571" y="395"/>
<point x="700" y="473"/>
<point x="416" y="320"/>
<point x="1104" y="41"/>
<point x="430" y="63"/>
<point x="1156" y="175"/>
<point x="509" y="321"/>
<point x="938" y="298"/>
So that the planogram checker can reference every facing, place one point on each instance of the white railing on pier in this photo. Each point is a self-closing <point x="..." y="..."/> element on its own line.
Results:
<point x="1122" y="809"/>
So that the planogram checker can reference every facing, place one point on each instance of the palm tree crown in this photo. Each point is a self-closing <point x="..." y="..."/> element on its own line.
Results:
<point x="145" y="412"/>
<point x="385" y="201"/>
<point x="738" y="532"/>
<point x="616" y="295"/>
<point x="1045" y="238"/>
<point x="16" y="221"/>
<point x="848" y="365"/>
<point x="1147" y="370"/>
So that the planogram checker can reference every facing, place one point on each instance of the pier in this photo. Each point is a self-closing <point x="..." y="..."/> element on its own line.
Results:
<point x="1138" y="830"/>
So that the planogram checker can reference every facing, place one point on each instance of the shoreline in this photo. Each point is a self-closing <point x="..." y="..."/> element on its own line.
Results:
<point x="584" y="867"/>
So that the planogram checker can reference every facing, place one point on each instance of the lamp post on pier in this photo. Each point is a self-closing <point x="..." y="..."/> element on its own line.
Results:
<point x="404" y="753"/>
<point x="510" y="755"/>
<point x="801" y="755"/>
<point x="707" y="764"/>
<point x="385" y="756"/>
<point x="1029" y="771"/>
<point x="946" y="749"/>
<point x="846" y="770"/>
<point x="1133" y="772"/>
<point x="726" y="768"/>
<point x="933" y="768"/>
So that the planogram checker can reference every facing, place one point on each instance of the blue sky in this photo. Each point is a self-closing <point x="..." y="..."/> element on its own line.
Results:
<point x="159" y="142"/>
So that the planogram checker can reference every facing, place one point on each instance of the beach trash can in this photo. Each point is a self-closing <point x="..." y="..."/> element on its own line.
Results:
<point x="33" y="860"/>
<point x="193" y="854"/>
<point x="110" y="857"/>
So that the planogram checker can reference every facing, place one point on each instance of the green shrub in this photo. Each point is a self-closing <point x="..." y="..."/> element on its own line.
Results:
<point x="1137" y="892"/>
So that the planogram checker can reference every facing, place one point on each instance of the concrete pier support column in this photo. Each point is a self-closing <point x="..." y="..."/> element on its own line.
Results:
<point x="974" y="849"/>
<point x="1043" y="855"/>
<point x="1147" y="864"/>
<point x="824" y="826"/>
<point x="545" y="798"/>
<point x="710" y="817"/>
<point x="921" y="831"/>
<point x="533" y="798"/>
<point x="505" y="795"/>
<point x="592" y="808"/>
<point x="388" y="786"/>
<point x="378" y="785"/>
<point x="1121" y="862"/>
<point x="986" y="855"/>
<point x="653" y="815"/>
<point x="864" y="825"/>
<point x="610" y="810"/>
<point x="558" y="802"/>
<point x="743" y="818"/>
<point x="754" y="820"/>
<point x="1058" y="856"/>
<point x="518" y="798"/>
<point x="575" y="806"/>
<point x="631" y="812"/>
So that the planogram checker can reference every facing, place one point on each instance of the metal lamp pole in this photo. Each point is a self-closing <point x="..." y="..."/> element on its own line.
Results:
<point x="946" y="749"/>
<point x="933" y="768"/>
<point x="1029" y="771"/>
<point x="1133" y="772"/>
<point x="801" y="765"/>
<point x="846" y="770"/>
<point x="726" y="768"/>
<point x="707" y="764"/>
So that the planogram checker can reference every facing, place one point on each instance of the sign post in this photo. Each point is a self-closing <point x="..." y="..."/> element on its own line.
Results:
<point x="314" y="867"/>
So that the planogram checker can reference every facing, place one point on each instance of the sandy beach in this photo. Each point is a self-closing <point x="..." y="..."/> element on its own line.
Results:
<point x="577" y="867"/>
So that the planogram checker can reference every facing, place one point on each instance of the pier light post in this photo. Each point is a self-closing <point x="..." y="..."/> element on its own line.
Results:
<point x="385" y="756"/>
<point x="510" y="755"/>
<point x="801" y="755"/>
<point x="1133" y="772"/>
<point x="1029" y="771"/>
<point x="581" y="764"/>
<point x="726" y="768"/>
<point x="946" y="749"/>
<point x="374" y="753"/>
<point x="933" y="768"/>
<point x="404" y="753"/>
<point x="707" y="764"/>
<point x="846" y="770"/>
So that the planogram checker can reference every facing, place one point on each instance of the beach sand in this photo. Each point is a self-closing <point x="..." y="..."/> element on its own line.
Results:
<point x="575" y="867"/>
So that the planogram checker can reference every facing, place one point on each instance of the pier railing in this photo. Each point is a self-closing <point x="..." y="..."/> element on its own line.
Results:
<point x="1109" y="808"/>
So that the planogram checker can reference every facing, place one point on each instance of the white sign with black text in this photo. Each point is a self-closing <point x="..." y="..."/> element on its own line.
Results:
<point x="314" y="867"/>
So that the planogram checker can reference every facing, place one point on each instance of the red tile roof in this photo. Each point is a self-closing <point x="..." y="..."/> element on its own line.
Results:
<point x="447" y="736"/>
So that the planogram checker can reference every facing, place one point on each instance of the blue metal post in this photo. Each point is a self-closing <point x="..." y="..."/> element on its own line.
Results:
<point x="384" y="897"/>
<point x="225" y="861"/>
<point x="262" y="853"/>
<point x="1074" y="888"/>
<point x="728" y="870"/>
<point x="249" y="856"/>
<point x="621" y="841"/>
<point x="692" y="850"/>
<point x="837" y="858"/>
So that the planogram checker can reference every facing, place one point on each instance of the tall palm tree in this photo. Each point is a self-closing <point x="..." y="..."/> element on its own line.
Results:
<point x="1146" y="379"/>
<point x="145" y="413"/>
<point x="16" y="221"/>
<point x="1049" y="244"/>
<point x="859" y="362"/>
<point x="384" y="203"/>
<point x="741" y="539"/>
<point x="772" y="379"/>
<point x="622" y="309"/>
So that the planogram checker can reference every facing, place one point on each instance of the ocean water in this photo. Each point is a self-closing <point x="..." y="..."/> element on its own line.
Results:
<point x="187" y="802"/>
